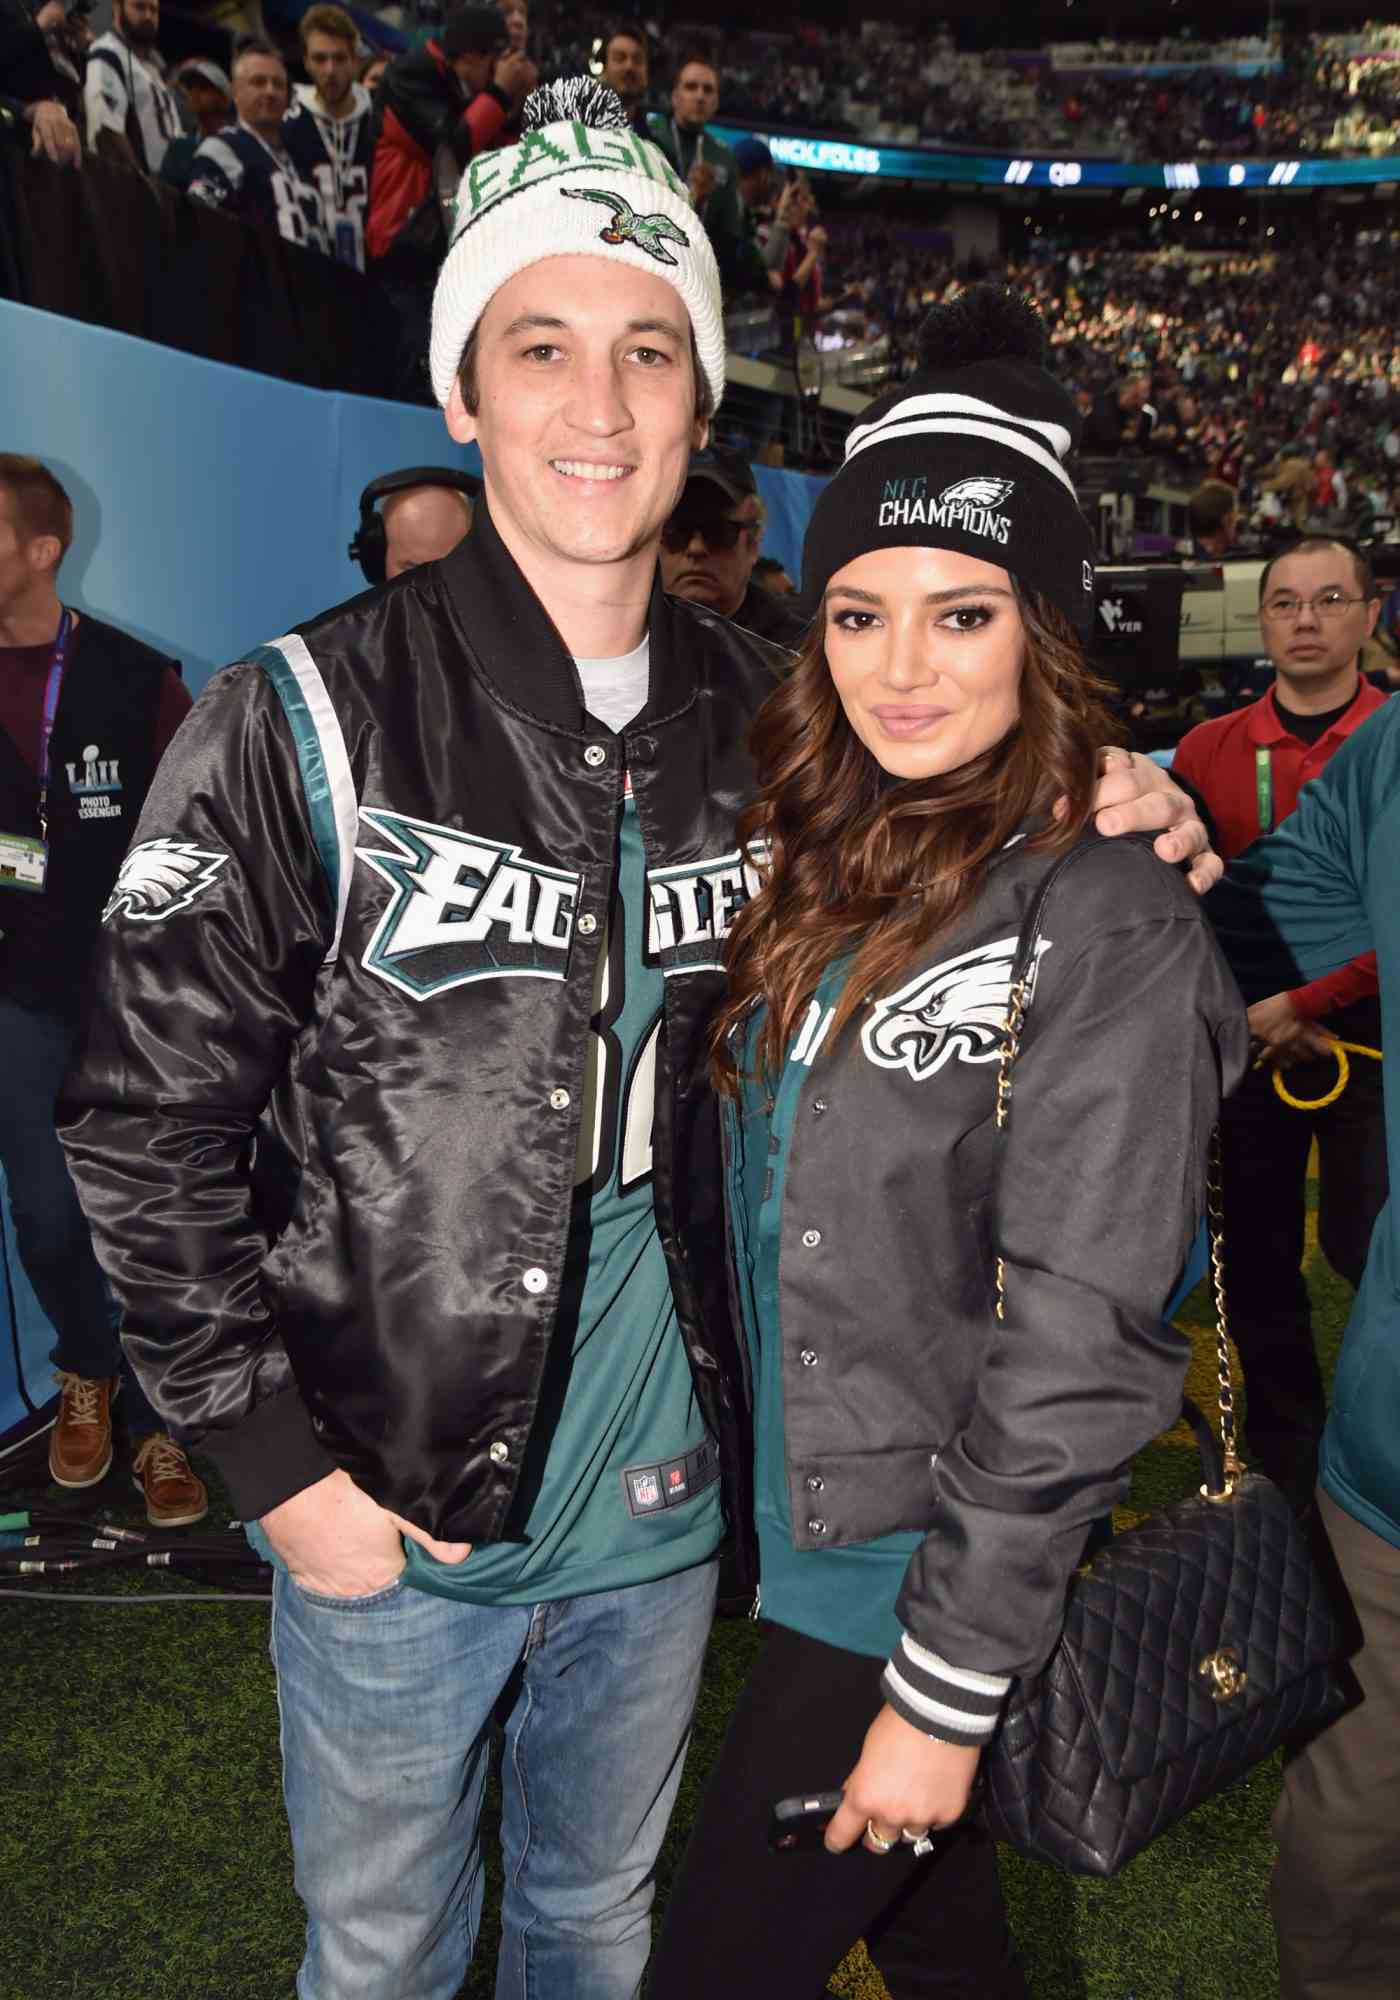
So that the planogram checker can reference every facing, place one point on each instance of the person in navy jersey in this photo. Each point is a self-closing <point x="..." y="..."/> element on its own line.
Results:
<point x="329" y="129"/>
<point x="85" y="714"/>
<point x="132" y="112"/>
<point x="246" y="169"/>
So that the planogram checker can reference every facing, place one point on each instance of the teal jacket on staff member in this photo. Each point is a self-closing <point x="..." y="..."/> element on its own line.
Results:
<point x="1323" y="888"/>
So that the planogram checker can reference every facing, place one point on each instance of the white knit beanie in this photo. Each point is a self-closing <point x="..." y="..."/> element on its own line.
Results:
<point x="580" y="183"/>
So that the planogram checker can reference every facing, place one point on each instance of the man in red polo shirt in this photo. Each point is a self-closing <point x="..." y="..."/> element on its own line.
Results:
<point x="1317" y="607"/>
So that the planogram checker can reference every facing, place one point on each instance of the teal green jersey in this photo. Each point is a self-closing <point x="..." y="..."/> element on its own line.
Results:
<point x="620" y="1484"/>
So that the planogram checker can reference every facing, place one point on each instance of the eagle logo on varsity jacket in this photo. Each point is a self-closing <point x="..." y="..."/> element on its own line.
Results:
<point x="956" y="1010"/>
<point x="159" y="877"/>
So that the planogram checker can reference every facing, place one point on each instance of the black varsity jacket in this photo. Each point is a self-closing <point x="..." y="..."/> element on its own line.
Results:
<point x="360" y="925"/>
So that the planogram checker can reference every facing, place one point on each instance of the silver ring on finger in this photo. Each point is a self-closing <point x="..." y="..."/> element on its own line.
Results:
<point x="913" y="1834"/>
<point x="878" y="1840"/>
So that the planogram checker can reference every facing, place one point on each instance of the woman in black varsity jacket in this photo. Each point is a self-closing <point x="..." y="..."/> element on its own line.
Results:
<point x="954" y="1326"/>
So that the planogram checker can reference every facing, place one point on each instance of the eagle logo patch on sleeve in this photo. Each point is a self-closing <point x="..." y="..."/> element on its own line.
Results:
<point x="953" y="1011"/>
<point x="159" y="877"/>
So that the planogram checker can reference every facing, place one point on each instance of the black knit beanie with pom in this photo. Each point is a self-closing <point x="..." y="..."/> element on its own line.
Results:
<point x="967" y="454"/>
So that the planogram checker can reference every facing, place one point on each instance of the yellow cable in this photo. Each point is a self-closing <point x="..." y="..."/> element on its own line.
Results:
<point x="1339" y="1050"/>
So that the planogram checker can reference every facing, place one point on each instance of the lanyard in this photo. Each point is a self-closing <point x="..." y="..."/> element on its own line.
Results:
<point x="281" y="159"/>
<point x="1264" y="788"/>
<point x="53" y="687"/>
<point x="340" y="137"/>
<point x="699" y="152"/>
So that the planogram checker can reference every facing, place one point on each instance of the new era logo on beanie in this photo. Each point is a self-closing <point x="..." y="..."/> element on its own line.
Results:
<point x="968" y="455"/>
<point x="580" y="183"/>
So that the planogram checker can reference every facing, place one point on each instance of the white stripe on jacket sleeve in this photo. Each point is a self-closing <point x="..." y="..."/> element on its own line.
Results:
<point x="955" y="1704"/>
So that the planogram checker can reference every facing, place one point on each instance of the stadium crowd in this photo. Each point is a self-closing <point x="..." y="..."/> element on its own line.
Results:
<point x="1276" y="370"/>
<point x="367" y="176"/>
<point x="1171" y="98"/>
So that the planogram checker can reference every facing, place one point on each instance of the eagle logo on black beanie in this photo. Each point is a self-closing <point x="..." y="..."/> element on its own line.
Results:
<point x="982" y="492"/>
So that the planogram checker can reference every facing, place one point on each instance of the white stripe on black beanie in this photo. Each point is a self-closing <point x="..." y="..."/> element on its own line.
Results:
<point x="967" y="454"/>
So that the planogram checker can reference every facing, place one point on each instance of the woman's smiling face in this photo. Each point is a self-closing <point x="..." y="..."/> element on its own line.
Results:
<point x="925" y="649"/>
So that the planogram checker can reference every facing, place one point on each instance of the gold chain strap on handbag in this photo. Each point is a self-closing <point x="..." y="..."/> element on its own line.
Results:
<point x="1225" y="1389"/>
<point x="1010" y="1048"/>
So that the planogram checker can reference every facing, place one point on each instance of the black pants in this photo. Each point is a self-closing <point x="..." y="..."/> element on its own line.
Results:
<point x="1265" y="1145"/>
<point x="742" y="1919"/>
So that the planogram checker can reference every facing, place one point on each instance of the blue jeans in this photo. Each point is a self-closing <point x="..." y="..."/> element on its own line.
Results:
<point x="50" y="1228"/>
<point x="387" y="1703"/>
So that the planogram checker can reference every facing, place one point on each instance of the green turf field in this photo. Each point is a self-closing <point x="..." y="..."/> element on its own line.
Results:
<point x="144" y="1854"/>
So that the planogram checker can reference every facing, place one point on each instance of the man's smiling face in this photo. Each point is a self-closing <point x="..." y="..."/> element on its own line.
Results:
<point x="585" y="414"/>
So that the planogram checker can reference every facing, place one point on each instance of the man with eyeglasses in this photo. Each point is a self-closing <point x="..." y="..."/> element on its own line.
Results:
<point x="712" y="541"/>
<point x="1318" y="605"/>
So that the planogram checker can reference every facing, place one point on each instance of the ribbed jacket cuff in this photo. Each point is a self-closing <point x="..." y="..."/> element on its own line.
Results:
<point x="952" y="1703"/>
<point x="272" y="1454"/>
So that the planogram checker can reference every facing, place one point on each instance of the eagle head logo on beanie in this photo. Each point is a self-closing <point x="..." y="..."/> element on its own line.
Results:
<point x="967" y="454"/>
<point x="580" y="183"/>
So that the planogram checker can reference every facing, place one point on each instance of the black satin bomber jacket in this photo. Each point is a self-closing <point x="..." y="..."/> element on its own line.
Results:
<point x="372" y="966"/>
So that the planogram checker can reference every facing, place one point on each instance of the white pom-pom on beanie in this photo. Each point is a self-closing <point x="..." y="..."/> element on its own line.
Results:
<point x="580" y="183"/>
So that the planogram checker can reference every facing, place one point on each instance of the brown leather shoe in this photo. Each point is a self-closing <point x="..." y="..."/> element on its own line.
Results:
<point x="80" y="1443"/>
<point x="175" y="1498"/>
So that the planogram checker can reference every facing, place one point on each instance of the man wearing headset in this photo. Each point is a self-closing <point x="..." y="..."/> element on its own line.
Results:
<point x="425" y="512"/>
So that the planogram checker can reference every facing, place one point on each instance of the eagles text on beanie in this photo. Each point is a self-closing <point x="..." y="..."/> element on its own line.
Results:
<point x="967" y="454"/>
<point x="580" y="183"/>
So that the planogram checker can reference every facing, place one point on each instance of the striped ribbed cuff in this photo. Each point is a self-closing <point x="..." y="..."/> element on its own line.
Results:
<point x="951" y="1703"/>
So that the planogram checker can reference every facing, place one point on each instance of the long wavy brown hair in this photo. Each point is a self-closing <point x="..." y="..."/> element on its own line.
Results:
<point x="851" y="861"/>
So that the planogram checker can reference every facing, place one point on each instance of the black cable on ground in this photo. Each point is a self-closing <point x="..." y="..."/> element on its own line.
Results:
<point x="38" y="1542"/>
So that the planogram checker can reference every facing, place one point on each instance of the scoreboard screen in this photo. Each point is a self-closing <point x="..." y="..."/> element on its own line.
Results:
<point x="916" y="163"/>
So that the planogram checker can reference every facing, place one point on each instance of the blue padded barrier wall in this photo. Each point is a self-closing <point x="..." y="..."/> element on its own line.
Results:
<point x="213" y="506"/>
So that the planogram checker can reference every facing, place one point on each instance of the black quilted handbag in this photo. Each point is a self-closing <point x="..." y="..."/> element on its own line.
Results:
<point x="1193" y="1644"/>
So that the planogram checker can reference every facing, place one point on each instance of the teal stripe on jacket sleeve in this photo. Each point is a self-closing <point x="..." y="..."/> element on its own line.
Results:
<point x="323" y="761"/>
